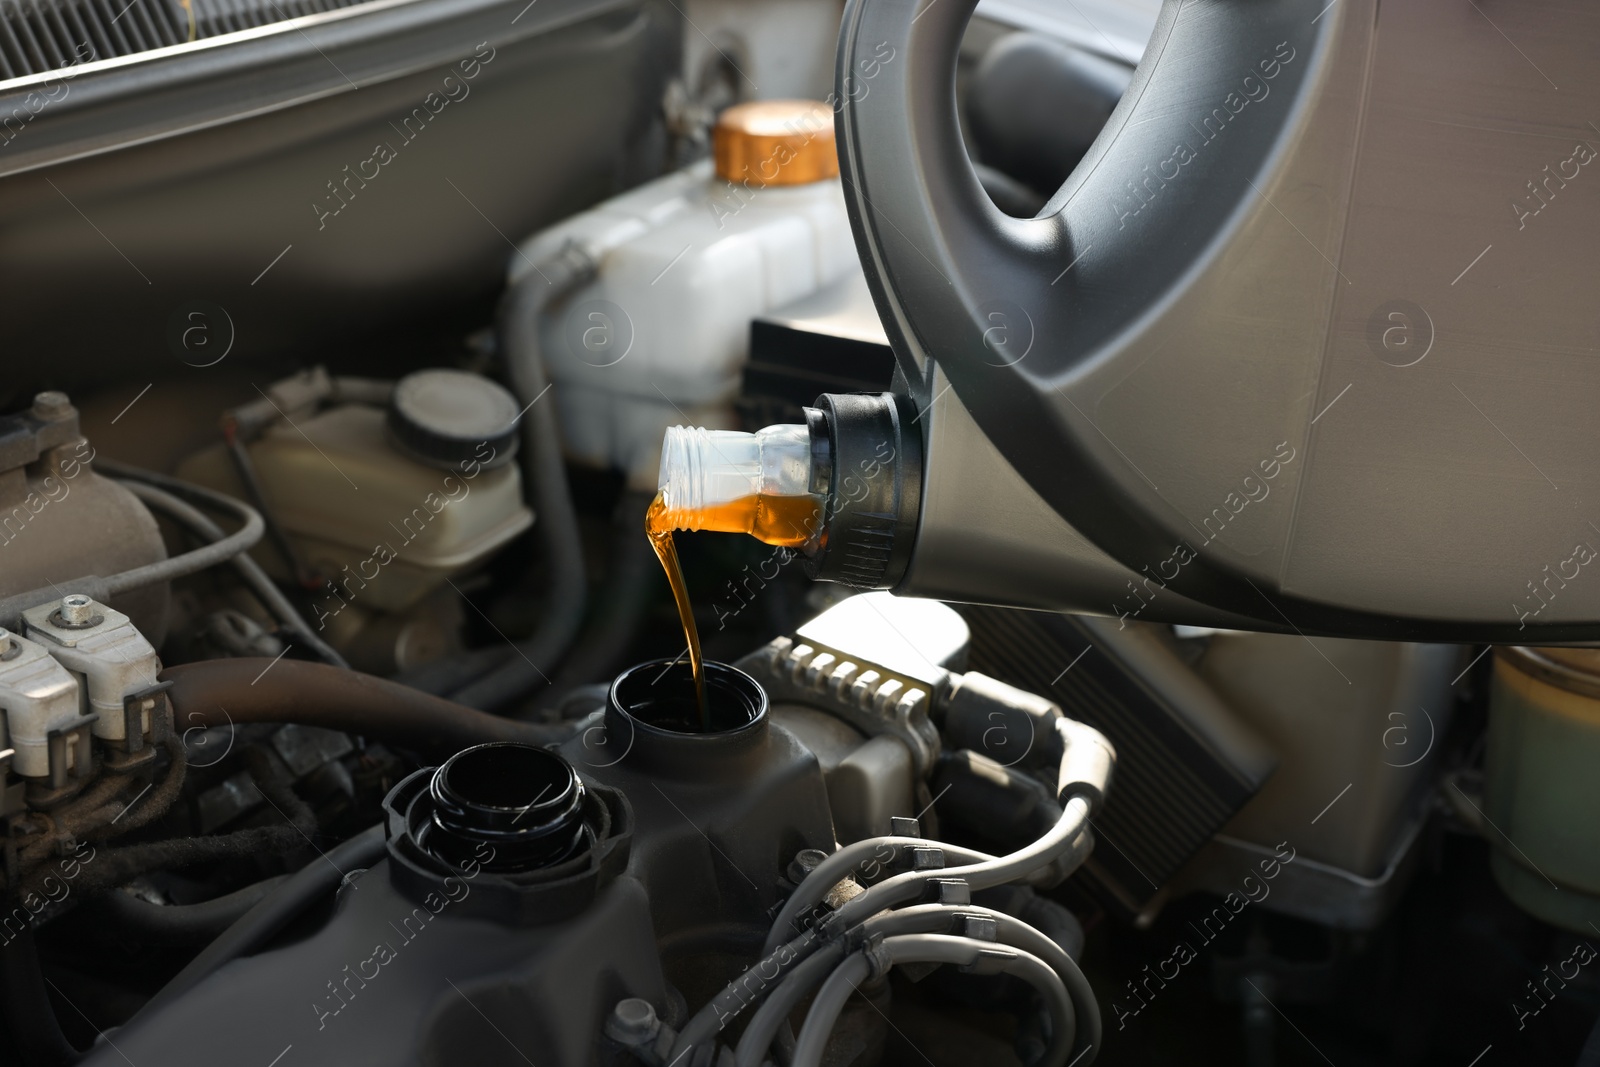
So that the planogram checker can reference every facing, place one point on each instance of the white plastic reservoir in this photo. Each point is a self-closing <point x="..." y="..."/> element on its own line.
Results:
<point x="661" y="336"/>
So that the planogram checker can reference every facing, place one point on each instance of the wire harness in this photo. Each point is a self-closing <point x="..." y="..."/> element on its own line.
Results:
<point x="921" y="913"/>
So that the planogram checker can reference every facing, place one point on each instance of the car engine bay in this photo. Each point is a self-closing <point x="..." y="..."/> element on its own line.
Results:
<point x="346" y="717"/>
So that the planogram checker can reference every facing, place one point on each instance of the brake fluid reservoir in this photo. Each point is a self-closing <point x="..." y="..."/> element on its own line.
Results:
<point x="385" y="504"/>
<point x="662" y="333"/>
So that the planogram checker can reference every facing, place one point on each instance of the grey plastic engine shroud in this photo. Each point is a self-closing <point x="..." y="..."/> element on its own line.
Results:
<point x="474" y="968"/>
<point x="1305" y="343"/>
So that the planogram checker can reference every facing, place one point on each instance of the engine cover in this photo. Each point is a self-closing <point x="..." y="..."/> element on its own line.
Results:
<point x="467" y="954"/>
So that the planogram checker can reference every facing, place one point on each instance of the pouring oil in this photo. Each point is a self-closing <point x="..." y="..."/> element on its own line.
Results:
<point x="658" y="528"/>
<point x="730" y="482"/>
<point x="784" y="521"/>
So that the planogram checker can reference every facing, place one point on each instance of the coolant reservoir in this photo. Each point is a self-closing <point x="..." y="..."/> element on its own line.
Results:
<point x="661" y="335"/>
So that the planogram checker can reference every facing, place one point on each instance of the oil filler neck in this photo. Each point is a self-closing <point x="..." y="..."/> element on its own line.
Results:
<point x="506" y="831"/>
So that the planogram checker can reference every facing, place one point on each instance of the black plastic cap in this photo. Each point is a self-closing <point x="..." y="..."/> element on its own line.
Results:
<point x="446" y="418"/>
<point x="874" y="497"/>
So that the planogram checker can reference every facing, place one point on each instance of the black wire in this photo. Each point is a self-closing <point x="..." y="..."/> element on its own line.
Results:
<point x="159" y="490"/>
<point x="521" y="311"/>
<point x="182" y="924"/>
<point x="280" y="538"/>
<point x="311" y="883"/>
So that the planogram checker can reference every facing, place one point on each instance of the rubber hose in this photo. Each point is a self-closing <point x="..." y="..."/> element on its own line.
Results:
<point x="764" y="1025"/>
<point x="112" y="867"/>
<point x="279" y="537"/>
<point x="756" y="1040"/>
<point x="620" y="608"/>
<point x="220" y="692"/>
<point x="557" y="528"/>
<point x="280" y="907"/>
<point x="1052" y="919"/>
<point x="183" y="924"/>
<point x="1017" y="933"/>
<point x="93" y="817"/>
<point x="847" y="862"/>
<point x="444" y="676"/>
<point x="197" y="559"/>
<point x="250" y="571"/>
<point x="780" y="957"/>
<point x="119" y="866"/>
<point x="934" y="948"/>
<point x="1069" y="835"/>
<point x="162" y="797"/>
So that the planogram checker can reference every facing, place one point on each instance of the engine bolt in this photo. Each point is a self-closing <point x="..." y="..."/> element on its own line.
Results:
<point x="51" y="404"/>
<point x="77" y="609"/>
<point x="805" y="861"/>
<point x="633" y="1022"/>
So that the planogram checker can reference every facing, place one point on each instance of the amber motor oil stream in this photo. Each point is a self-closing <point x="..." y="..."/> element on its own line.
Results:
<point x="730" y="482"/>
<point x="785" y="521"/>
